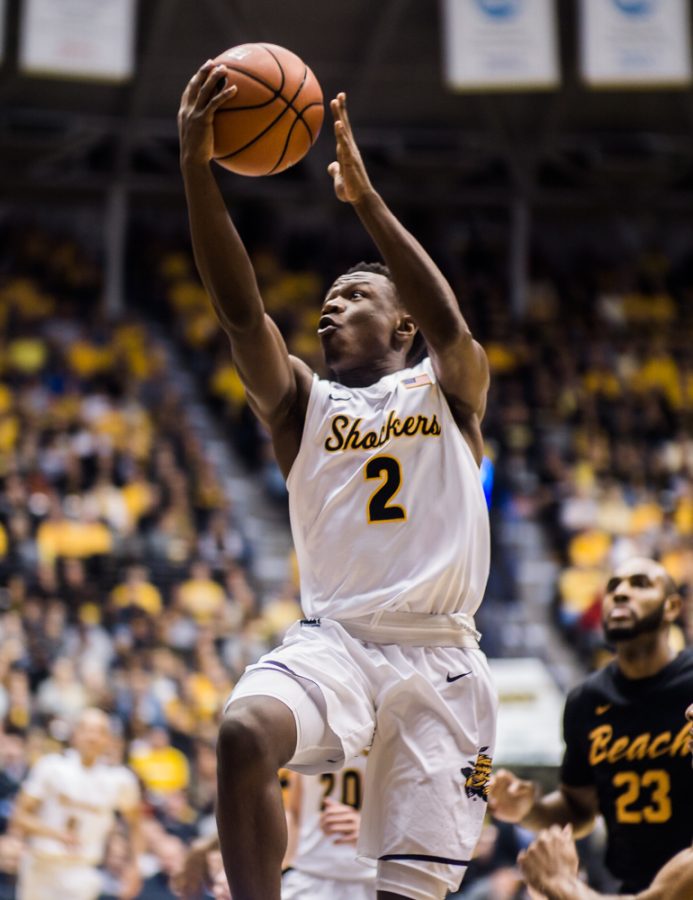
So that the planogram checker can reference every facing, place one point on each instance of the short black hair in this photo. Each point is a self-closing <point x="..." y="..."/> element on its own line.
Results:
<point x="418" y="349"/>
<point x="377" y="268"/>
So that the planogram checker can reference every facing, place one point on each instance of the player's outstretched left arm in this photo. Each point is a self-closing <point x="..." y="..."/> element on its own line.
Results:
<point x="458" y="360"/>
<point x="550" y="866"/>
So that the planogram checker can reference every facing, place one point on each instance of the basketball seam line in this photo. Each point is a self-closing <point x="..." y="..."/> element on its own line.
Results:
<point x="236" y="68"/>
<point x="299" y="115"/>
<point x="276" y="92"/>
<point x="286" y="144"/>
<point x="289" y="106"/>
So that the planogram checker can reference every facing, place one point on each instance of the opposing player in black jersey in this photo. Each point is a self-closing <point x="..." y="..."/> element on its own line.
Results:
<point x="626" y="738"/>
<point x="550" y="865"/>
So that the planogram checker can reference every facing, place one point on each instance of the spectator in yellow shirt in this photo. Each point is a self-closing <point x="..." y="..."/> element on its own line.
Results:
<point x="163" y="768"/>
<point x="200" y="596"/>
<point x="136" y="590"/>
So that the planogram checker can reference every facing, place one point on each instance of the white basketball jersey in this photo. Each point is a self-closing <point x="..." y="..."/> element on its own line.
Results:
<point x="386" y="503"/>
<point x="79" y="799"/>
<point x="316" y="853"/>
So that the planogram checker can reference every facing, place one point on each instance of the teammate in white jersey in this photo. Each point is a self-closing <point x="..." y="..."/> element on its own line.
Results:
<point x="323" y="821"/>
<point x="66" y="809"/>
<point x="323" y="810"/>
<point x="391" y="532"/>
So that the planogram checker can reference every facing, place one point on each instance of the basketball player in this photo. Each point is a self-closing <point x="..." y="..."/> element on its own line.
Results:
<point x="324" y="812"/>
<point x="391" y="532"/>
<point x="626" y="738"/>
<point x="323" y="824"/>
<point x="550" y="865"/>
<point x="67" y="808"/>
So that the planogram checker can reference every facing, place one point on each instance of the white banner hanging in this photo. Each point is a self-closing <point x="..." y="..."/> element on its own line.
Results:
<point x="78" y="38"/>
<point x="635" y="43"/>
<point x="500" y="44"/>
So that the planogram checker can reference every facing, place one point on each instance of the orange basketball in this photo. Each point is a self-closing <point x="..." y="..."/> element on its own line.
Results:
<point x="275" y="116"/>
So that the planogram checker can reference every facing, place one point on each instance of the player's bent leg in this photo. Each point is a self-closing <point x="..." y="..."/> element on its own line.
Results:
<point x="256" y="738"/>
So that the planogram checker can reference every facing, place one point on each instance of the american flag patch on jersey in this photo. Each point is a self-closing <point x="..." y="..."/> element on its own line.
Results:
<point x="417" y="381"/>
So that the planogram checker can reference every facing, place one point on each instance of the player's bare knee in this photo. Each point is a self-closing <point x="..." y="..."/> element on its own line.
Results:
<point x="242" y="745"/>
<point x="251" y="738"/>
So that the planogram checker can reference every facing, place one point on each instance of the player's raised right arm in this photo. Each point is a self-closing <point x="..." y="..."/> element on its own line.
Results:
<point x="270" y="376"/>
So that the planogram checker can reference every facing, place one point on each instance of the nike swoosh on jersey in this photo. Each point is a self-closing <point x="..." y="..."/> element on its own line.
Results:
<point x="348" y="397"/>
<point x="600" y="710"/>
<point x="451" y="678"/>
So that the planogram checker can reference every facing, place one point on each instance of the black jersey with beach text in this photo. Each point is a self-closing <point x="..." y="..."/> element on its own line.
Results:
<point x="629" y="738"/>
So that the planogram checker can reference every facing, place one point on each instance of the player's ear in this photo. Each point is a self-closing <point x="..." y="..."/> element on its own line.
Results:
<point x="406" y="328"/>
<point x="672" y="607"/>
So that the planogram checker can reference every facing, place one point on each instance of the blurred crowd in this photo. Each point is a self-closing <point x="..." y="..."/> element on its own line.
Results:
<point x="592" y="412"/>
<point x="127" y="578"/>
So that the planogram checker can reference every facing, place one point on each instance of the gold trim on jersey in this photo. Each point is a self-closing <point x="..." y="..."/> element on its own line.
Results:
<point x="643" y="746"/>
<point x="346" y="433"/>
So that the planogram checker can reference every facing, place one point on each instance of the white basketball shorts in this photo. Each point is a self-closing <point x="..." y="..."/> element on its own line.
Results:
<point x="427" y="715"/>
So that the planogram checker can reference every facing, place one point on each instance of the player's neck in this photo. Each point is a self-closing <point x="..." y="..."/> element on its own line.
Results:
<point x="645" y="655"/>
<point x="368" y="373"/>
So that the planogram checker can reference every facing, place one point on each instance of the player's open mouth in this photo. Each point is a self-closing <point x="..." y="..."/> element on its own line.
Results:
<point x="327" y="325"/>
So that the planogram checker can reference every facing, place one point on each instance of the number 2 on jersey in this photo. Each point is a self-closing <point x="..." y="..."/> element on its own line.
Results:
<point x="388" y="470"/>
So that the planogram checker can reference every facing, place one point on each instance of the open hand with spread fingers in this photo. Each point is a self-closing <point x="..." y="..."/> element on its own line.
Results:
<point x="201" y="99"/>
<point x="351" y="182"/>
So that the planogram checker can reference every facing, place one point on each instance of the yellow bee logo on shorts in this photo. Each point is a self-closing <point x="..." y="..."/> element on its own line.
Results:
<point x="478" y="775"/>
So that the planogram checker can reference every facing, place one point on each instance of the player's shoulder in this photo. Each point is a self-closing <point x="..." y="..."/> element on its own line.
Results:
<point x="57" y="760"/>
<point x="52" y="765"/>
<point x="305" y="376"/>
<point x="596" y="685"/>
<point x="684" y="662"/>
<point x="120" y="786"/>
<point x="423" y="370"/>
<point x="677" y="677"/>
<point x="122" y="774"/>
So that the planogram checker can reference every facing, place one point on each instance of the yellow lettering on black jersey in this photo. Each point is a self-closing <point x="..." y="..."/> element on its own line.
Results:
<point x="603" y="748"/>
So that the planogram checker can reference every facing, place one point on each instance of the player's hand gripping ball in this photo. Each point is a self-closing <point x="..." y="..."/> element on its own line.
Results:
<point x="274" y="117"/>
